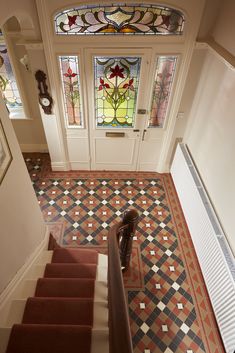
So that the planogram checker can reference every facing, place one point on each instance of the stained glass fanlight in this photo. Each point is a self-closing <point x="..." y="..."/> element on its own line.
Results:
<point x="8" y="85"/>
<point x="164" y="76"/>
<point x="120" y="19"/>
<point x="116" y="86"/>
<point x="69" y="70"/>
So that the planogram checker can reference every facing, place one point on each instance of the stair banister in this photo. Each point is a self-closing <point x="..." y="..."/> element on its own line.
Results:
<point x="130" y="221"/>
<point x="120" y="340"/>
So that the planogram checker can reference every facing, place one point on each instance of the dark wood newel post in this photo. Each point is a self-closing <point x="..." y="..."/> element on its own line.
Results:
<point x="130" y="221"/>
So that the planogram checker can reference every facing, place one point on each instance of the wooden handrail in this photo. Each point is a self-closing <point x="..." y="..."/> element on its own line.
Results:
<point x="130" y="221"/>
<point x="119" y="329"/>
<point x="120" y="340"/>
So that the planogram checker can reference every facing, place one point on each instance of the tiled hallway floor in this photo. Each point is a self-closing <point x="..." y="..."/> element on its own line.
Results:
<point x="170" y="311"/>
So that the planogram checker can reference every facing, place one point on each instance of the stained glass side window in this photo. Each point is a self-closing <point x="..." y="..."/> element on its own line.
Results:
<point x="120" y="19"/>
<point x="116" y="88"/>
<point x="70" y="77"/>
<point x="164" y="76"/>
<point x="8" y="85"/>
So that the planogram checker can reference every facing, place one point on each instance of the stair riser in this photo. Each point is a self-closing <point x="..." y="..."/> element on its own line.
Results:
<point x="69" y="255"/>
<point x="58" y="311"/>
<point x="99" y="341"/>
<point x="48" y="338"/>
<point x="70" y="271"/>
<point x="72" y="288"/>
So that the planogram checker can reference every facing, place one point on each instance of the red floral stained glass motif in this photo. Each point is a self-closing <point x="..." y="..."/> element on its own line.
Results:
<point x="70" y="73"/>
<point x="103" y="84"/>
<point x="72" y="20"/>
<point x="164" y="76"/>
<point x="116" y="72"/>
<point x="71" y="90"/>
<point x="129" y="85"/>
<point x="120" y="19"/>
<point x="116" y="88"/>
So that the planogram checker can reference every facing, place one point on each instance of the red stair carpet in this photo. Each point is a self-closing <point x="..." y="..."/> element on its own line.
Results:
<point x="59" y="318"/>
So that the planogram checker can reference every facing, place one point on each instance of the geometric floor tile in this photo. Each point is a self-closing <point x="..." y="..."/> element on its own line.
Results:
<point x="169" y="307"/>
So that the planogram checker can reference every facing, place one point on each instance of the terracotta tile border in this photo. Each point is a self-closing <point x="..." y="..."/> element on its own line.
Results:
<point x="97" y="174"/>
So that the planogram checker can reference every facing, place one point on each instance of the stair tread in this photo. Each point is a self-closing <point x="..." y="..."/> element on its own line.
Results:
<point x="35" y="338"/>
<point x="76" y="255"/>
<point x="70" y="270"/>
<point x="63" y="311"/>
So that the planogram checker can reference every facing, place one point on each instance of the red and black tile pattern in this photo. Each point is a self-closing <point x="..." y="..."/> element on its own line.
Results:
<point x="164" y="314"/>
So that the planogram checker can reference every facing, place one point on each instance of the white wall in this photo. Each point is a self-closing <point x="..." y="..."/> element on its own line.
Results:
<point x="210" y="137"/>
<point x="195" y="68"/>
<point x="21" y="223"/>
<point x="208" y="102"/>
<point x="224" y="29"/>
<point x="209" y="17"/>
<point x="24" y="27"/>
<point x="30" y="132"/>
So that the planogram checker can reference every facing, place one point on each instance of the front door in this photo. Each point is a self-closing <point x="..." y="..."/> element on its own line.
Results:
<point x="117" y="93"/>
<point x="116" y="104"/>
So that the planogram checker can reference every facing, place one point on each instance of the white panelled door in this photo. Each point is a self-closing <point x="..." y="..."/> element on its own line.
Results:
<point x="116" y="91"/>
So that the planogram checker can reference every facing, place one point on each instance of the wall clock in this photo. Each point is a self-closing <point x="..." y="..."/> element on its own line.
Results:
<point x="45" y="100"/>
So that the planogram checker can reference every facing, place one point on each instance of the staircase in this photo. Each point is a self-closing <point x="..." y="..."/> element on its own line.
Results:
<point x="72" y="300"/>
<point x="64" y="311"/>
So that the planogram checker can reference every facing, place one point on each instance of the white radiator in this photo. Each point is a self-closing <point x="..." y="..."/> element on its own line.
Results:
<point x="216" y="259"/>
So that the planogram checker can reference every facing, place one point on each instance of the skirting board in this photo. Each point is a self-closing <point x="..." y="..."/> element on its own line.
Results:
<point x="60" y="166"/>
<point x="79" y="165"/>
<point x="8" y="293"/>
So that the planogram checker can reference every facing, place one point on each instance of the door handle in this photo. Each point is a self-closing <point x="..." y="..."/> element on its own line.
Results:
<point x="136" y="130"/>
<point x="144" y="132"/>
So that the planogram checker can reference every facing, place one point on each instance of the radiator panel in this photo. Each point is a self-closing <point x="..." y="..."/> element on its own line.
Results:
<point x="214" y="255"/>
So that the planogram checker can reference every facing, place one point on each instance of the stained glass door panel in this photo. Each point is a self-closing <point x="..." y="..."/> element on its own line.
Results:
<point x="116" y="89"/>
<point x="164" y="75"/>
<point x="70" y="78"/>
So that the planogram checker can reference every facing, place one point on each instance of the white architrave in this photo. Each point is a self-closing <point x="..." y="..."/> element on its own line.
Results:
<point x="53" y="126"/>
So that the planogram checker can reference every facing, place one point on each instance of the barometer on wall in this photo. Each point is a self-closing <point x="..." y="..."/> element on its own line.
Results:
<point x="45" y="100"/>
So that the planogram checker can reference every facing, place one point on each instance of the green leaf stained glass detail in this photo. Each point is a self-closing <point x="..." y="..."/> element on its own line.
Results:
<point x="116" y="86"/>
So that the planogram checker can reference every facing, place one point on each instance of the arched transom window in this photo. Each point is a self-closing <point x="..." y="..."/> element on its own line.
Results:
<point x="131" y="19"/>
